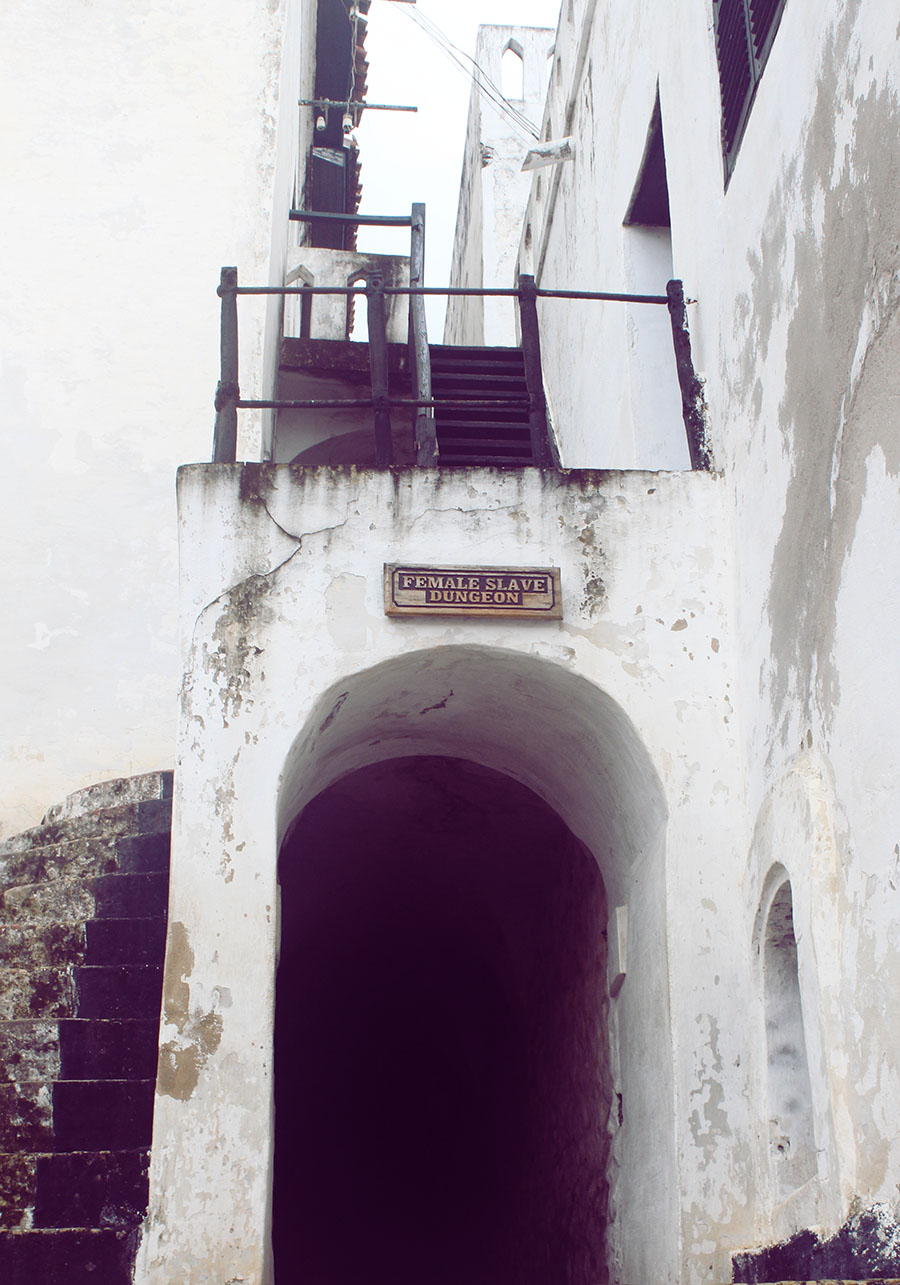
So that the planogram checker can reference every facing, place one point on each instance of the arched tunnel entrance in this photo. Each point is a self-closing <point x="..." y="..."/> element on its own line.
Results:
<point x="442" y="1079"/>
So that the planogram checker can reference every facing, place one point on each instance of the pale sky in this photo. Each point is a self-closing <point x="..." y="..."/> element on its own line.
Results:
<point x="408" y="157"/>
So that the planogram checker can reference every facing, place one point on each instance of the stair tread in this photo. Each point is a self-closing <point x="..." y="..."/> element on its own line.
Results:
<point x="502" y="349"/>
<point x="472" y="441"/>
<point x="506" y="449"/>
<point x="67" y="901"/>
<point x="515" y="387"/>
<point x="108" y="1048"/>
<point x="506" y="417"/>
<point x="86" y="857"/>
<point x="152" y="816"/>
<point x="127" y="941"/>
<point x="112" y="793"/>
<point x="80" y="1256"/>
<point x="508" y="369"/>
<point x="36" y="992"/>
<point x="487" y="461"/>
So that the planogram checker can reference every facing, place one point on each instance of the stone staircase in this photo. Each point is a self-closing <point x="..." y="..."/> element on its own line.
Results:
<point x="83" y="901"/>
<point x="484" y="435"/>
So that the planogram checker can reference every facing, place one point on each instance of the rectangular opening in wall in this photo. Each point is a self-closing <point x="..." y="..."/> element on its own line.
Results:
<point x="658" y="429"/>
<point x="745" y="30"/>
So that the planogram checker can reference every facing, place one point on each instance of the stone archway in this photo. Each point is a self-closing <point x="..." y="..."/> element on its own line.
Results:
<point x="442" y="1078"/>
<point x="568" y="744"/>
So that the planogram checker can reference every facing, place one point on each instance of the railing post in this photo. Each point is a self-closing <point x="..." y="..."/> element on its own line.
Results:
<point x="378" y="370"/>
<point x="693" y="402"/>
<point x="228" y="391"/>
<point x="534" y="377"/>
<point x="306" y="301"/>
<point x="419" y="352"/>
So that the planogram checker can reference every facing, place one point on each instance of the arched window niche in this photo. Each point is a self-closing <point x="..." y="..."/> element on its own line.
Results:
<point x="298" y="308"/>
<point x="357" y="321"/>
<point x="791" y="1136"/>
<point x="512" y="71"/>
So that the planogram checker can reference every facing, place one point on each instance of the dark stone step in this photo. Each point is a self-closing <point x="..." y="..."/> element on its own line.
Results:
<point x="37" y="946"/>
<point x="499" y="417"/>
<point x="108" y="1050"/>
<point x="125" y="941"/>
<point x="29" y="1051"/>
<point x="131" y="896"/>
<point x="478" y="369"/>
<point x="35" y="993"/>
<point x="454" y="352"/>
<point x="473" y="427"/>
<point x="460" y="370"/>
<point x="106" y="1115"/>
<point x="487" y="460"/>
<point x="484" y="461"/>
<point x="478" y="386"/>
<point x="86" y="858"/>
<point x="61" y="901"/>
<point x="143" y="853"/>
<point x="118" y="990"/>
<point x="91" y="1189"/>
<point x="73" y="901"/>
<point x="484" y="446"/>
<point x="75" y="859"/>
<point x="17" y="1188"/>
<point x="486" y="441"/>
<point x="113" y="793"/>
<point x="26" y="1118"/>
<point x="103" y="1257"/>
<point x="151" y="817"/>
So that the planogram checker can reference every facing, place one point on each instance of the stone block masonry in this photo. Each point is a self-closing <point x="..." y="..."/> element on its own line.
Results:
<point x="82" y="938"/>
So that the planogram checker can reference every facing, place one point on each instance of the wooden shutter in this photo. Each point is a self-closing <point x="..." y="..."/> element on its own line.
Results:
<point x="764" y="18"/>
<point x="744" y="33"/>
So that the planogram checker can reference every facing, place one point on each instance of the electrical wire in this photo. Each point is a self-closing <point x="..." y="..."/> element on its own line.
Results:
<point x="485" y="85"/>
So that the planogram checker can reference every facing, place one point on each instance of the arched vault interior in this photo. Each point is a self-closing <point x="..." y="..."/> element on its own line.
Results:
<point x="442" y="1080"/>
<point x="453" y="823"/>
<point x="530" y="719"/>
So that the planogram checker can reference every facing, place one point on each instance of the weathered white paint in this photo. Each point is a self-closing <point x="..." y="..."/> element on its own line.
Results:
<point x="493" y="191"/>
<point x="151" y="146"/>
<point x="795" y="272"/>
<point x="741" y="657"/>
<point x="313" y="266"/>
<point x="294" y="677"/>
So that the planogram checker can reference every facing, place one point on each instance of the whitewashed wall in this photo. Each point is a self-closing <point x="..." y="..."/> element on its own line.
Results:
<point x="795" y="271"/>
<point x="149" y="145"/>
<point x="620" y="716"/>
<point x="493" y="189"/>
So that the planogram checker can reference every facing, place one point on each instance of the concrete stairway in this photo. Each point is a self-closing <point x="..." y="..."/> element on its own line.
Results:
<point x="484" y="435"/>
<point x="82" y="936"/>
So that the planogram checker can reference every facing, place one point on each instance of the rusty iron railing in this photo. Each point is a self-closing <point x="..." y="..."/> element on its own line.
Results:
<point x="422" y="404"/>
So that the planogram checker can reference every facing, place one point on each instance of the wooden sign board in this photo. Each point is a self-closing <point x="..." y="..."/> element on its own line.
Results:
<point x="525" y="593"/>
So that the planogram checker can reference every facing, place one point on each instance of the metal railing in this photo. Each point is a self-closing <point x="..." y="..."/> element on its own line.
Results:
<point x="422" y="403"/>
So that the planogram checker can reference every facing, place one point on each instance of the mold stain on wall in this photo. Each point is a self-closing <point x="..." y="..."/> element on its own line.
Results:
<point x="182" y="1058"/>
<point x="842" y="374"/>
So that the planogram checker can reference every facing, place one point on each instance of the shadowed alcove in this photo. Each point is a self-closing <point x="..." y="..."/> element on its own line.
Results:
<point x="441" y="1054"/>
<point x="457" y="824"/>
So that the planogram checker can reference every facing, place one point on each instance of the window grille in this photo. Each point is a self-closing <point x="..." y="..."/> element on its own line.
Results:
<point x="745" y="30"/>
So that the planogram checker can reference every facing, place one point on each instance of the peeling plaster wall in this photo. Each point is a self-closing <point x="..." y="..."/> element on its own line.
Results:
<point x="602" y="92"/>
<point x="150" y="148"/>
<point x="795" y="270"/>
<point x="621" y="717"/>
<point x="493" y="191"/>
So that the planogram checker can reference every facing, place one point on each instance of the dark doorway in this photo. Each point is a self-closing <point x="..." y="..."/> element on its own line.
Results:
<point x="441" y="1066"/>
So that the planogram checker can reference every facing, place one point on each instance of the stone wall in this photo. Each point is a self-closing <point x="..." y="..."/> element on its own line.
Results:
<point x="82" y="937"/>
